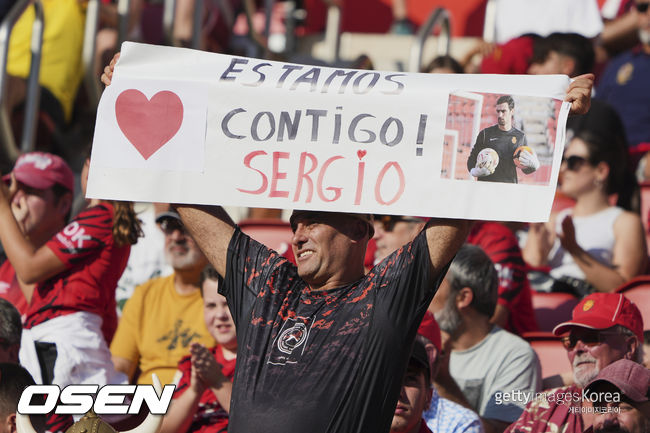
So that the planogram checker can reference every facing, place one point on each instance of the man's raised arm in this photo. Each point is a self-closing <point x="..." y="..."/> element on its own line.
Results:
<point x="211" y="228"/>
<point x="444" y="238"/>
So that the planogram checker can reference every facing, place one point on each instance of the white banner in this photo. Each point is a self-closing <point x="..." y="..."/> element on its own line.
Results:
<point x="185" y="126"/>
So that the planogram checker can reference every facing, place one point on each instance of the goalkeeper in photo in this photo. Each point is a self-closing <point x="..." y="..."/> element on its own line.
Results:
<point x="501" y="148"/>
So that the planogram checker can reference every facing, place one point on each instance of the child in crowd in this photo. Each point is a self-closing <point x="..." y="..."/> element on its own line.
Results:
<point x="202" y="399"/>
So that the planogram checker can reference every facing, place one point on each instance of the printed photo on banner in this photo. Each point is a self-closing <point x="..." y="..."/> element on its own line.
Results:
<point x="493" y="137"/>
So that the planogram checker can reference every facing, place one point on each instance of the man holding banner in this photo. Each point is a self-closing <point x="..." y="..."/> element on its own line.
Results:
<point x="493" y="156"/>
<point x="323" y="346"/>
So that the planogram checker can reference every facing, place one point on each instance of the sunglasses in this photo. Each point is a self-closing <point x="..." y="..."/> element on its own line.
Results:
<point x="589" y="339"/>
<point x="574" y="162"/>
<point x="642" y="7"/>
<point x="388" y="221"/>
<point x="170" y="225"/>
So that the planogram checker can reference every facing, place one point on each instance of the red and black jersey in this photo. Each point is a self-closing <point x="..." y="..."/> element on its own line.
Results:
<point x="10" y="288"/>
<point x="210" y="417"/>
<point x="55" y="423"/>
<point x="94" y="265"/>
<point x="321" y="361"/>
<point x="500" y="244"/>
<point x="424" y="428"/>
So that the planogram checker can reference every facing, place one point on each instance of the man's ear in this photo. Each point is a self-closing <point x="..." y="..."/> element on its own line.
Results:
<point x="360" y="229"/>
<point x="631" y="346"/>
<point x="602" y="171"/>
<point x="64" y="204"/>
<point x="10" y="423"/>
<point x="432" y="354"/>
<point x="464" y="298"/>
<point x="13" y="352"/>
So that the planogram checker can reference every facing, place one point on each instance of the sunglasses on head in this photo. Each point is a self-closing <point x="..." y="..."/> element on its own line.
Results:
<point x="170" y="225"/>
<point x="642" y="7"/>
<point x="589" y="339"/>
<point x="388" y="221"/>
<point x="574" y="162"/>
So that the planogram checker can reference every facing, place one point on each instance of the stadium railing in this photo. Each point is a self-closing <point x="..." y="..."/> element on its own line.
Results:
<point x="439" y="17"/>
<point x="33" y="91"/>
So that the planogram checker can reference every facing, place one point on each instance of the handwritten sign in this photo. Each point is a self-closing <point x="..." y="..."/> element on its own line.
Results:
<point x="185" y="126"/>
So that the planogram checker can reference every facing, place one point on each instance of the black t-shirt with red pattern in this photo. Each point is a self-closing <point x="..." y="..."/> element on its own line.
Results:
<point x="321" y="361"/>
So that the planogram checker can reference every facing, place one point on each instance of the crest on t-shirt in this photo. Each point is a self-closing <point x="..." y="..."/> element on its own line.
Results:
<point x="290" y="343"/>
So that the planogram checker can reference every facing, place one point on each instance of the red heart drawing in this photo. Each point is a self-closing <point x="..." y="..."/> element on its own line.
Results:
<point x="148" y="124"/>
<point x="361" y="153"/>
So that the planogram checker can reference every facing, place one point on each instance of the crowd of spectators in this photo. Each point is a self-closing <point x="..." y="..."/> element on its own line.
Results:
<point x="137" y="292"/>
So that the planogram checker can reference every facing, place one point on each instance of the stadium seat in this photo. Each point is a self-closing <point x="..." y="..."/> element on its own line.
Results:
<point x="561" y="202"/>
<point x="275" y="234"/>
<point x="552" y="308"/>
<point x="637" y="290"/>
<point x="550" y="351"/>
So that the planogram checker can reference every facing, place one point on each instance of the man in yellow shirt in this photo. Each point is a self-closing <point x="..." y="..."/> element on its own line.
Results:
<point x="164" y="315"/>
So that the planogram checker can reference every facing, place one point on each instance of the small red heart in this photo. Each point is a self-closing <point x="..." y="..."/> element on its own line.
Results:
<point x="361" y="153"/>
<point x="148" y="124"/>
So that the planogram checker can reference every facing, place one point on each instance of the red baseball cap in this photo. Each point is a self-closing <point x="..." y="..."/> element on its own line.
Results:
<point x="42" y="170"/>
<point x="630" y="378"/>
<point x="602" y="311"/>
<point x="430" y="330"/>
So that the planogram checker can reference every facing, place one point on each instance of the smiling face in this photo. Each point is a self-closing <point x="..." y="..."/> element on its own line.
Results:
<point x="181" y="252"/>
<point x="216" y="314"/>
<point x="588" y="360"/>
<point x="329" y="247"/>
<point x="414" y="398"/>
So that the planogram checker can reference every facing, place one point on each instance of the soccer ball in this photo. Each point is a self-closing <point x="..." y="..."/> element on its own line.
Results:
<point x="488" y="158"/>
<point x="515" y="156"/>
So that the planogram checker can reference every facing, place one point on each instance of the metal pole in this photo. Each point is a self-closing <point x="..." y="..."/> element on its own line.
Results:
<point x="197" y="25"/>
<point x="438" y="16"/>
<point x="268" y="10"/>
<point x="333" y="31"/>
<point x="6" y="133"/>
<point x="490" y="23"/>
<point x="33" y="95"/>
<point x="123" y="15"/>
<point x="169" y="15"/>
<point x="91" y="80"/>
<point x="290" y="36"/>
